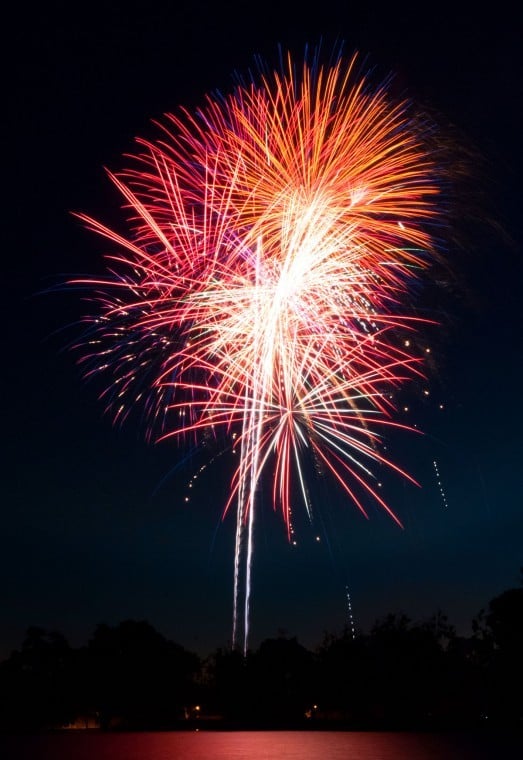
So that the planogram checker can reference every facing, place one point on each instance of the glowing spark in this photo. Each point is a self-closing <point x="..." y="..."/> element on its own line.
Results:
<point x="440" y="485"/>
<point x="349" y="613"/>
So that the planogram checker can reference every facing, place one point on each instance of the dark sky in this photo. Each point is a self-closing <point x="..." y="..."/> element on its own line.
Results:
<point x="94" y="523"/>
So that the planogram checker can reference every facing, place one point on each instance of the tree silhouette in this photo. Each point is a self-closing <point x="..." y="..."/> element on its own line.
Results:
<point x="400" y="674"/>
<point x="37" y="682"/>
<point x="504" y="627"/>
<point x="135" y="675"/>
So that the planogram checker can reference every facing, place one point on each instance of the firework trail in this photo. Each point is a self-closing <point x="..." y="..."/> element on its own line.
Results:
<point x="262" y="290"/>
<point x="350" y="616"/>
<point x="440" y="485"/>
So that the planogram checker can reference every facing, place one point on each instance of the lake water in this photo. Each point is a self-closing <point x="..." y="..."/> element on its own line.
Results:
<point x="259" y="745"/>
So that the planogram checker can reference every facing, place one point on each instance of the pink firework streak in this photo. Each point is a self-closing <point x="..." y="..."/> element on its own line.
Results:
<point x="263" y="286"/>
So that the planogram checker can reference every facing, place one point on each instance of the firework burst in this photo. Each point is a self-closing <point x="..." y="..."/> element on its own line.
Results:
<point x="264" y="283"/>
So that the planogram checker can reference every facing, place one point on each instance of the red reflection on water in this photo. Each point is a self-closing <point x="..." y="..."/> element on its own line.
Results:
<point x="254" y="745"/>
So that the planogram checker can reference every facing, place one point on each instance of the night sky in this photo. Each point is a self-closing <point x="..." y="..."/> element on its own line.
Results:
<point x="95" y="527"/>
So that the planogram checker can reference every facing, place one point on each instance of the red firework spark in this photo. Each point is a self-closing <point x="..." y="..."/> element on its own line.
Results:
<point x="274" y="238"/>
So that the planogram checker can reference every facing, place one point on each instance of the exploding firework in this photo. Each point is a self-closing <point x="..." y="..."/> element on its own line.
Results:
<point x="262" y="289"/>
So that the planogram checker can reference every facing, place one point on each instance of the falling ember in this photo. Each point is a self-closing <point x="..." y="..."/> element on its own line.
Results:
<point x="263" y="289"/>
<point x="350" y="616"/>
<point x="440" y="485"/>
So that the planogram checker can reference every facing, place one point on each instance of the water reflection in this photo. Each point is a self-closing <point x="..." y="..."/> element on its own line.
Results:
<point x="258" y="745"/>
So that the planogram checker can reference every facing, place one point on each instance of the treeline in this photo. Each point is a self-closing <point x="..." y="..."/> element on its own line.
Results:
<point x="400" y="674"/>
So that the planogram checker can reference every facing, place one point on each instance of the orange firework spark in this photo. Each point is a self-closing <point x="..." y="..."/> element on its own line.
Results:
<point x="274" y="239"/>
